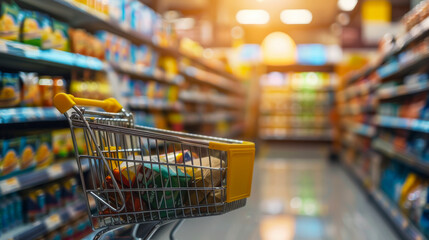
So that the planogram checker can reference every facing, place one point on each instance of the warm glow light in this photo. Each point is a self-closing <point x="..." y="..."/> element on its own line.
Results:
<point x="252" y="16"/>
<point x="347" y="5"/>
<point x="278" y="48"/>
<point x="296" y="16"/>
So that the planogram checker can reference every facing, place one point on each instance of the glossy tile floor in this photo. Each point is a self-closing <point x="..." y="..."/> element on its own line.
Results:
<point x="296" y="194"/>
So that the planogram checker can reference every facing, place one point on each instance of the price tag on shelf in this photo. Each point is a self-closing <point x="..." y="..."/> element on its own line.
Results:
<point x="55" y="171"/>
<point x="52" y="222"/>
<point x="9" y="185"/>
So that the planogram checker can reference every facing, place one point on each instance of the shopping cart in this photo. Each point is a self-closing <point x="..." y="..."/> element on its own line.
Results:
<point x="140" y="174"/>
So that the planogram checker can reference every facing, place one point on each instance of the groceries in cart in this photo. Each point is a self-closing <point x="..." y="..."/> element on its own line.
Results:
<point x="175" y="170"/>
<point x="139" y="174"/>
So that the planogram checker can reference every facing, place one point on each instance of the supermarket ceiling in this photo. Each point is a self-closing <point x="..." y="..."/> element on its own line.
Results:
<point x="324" y="14"/>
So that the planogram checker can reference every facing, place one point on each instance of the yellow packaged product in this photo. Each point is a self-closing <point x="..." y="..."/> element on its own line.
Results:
<point x="9" y="90"/>
<point x="44" y="154"/>
<point x="10" y="21"/>
<point x="10" y="156"/>
<point x="27" y="152"/>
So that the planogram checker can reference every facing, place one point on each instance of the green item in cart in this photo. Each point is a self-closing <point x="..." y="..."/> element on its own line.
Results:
<point x="167" y="177"/>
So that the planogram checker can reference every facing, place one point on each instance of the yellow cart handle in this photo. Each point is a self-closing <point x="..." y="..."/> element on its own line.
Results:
<point x="240" y="160"/>
<point x="63" y="102"/>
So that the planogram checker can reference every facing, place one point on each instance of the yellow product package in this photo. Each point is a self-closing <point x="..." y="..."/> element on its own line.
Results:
<point x="10" y="20"/>
<point x="31" y="29"/>
<point x="10" y="156"/>
<point x="44" y="154"/>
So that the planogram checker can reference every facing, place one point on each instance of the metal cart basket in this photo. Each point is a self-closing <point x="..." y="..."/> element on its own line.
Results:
<point x="140" y="174"/>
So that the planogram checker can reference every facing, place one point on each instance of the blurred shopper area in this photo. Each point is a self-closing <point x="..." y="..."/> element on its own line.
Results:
<point x="214" y="119"/>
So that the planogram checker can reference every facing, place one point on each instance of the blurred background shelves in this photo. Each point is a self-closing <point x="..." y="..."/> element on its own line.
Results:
<point x="407" y="158"/>
<point x="33" y="58"/>
<point x="402" y="123"/>
<point x="49" y="223"/>
<point x="30" y="179"/>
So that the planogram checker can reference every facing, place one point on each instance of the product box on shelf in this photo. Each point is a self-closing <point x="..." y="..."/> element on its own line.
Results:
<point x="10" y="156"/>
<point x="10" y="90"/>
<point x="10" y="20"/>
<point x="35" y="205"/>
<point x="44" y="154"/>
<point x="27" y="152"/>
<point x="62" y="144"/>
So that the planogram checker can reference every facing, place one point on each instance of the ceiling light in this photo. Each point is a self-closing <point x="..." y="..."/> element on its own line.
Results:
<point x="347" y="5"/>
<point x="252" y="16"/>
<point x="296" y="16"/>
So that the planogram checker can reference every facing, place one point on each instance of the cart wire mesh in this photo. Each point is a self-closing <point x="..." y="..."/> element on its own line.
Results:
<point x="140" y="174"/>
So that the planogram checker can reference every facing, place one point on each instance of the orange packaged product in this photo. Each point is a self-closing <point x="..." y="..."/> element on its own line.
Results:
<point x="59" y="85"/>
<point x="46" y="90"/>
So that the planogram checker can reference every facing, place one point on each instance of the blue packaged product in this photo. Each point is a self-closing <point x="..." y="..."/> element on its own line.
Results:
<point x="53" y="197"/>
<point x="69" y="190"/>
<point x="424" y="219"/>
<point x="11" y="213"/>
<point x="35" y="205"/>
<point x="9" y="163"/>
<point x="10" y="90"/>
<point x="4" y="215"/>
<point x="19" y="218"/>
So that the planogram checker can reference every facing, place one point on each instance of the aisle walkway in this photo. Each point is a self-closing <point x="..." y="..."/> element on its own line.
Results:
<point x="296" y="195"/>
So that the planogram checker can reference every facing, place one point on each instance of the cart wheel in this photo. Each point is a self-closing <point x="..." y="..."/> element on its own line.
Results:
<point x="175" y="228"/>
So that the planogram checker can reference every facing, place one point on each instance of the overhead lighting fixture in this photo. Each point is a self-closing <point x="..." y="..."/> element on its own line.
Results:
<point x="252" y="16"/>
<point x="296" y="16"/>
<point x="347" y="5"/>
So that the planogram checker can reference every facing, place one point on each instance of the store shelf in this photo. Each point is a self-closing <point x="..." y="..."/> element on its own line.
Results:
<point x="30" y="57"/>
<point x="361" y="129"/>
<point x="417" y="33"/>
<point x="323" y="138"/>
<point x="358" y="90"/>
<point x="401" y="223"/>
<point x="17" y="119"/>
<point x="301" y="68"/>
<point x="217" y="70"/>
<point x="48" y="224"/>
<point x="29" y="114"/>
<point x="79" y="15"/>
<point x="403" y="69"/>
<point x="143" y="103"/>
<point x="403" y="90"/>
<point x="209" y="118"/>
<point x="37" y="177"/>
<point x="212" y="99"/>
<point x="194" y="74"/>
<point x="355" y="109"/>
<point x="406" y="158"/>
<point x="149" y="74"/>
<point x="361" y="74"/>
<point x="402" y="123"/>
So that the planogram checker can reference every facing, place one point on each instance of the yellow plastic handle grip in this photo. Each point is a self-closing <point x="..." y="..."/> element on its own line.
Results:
<point x="240" y="160"/>
<point x="63" y="102"/>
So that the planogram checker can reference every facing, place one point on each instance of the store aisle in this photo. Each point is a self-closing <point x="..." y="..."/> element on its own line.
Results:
<point x="296" y="195"/>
